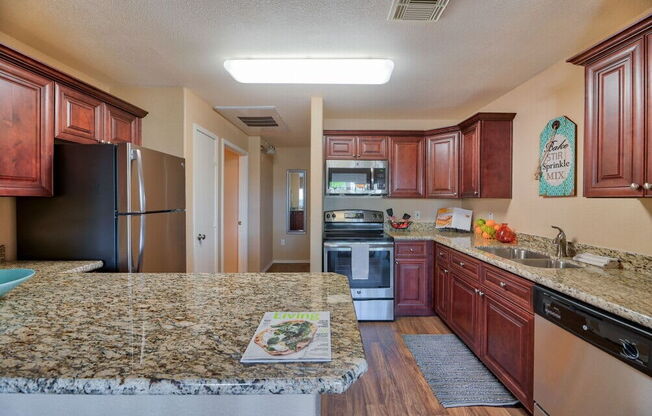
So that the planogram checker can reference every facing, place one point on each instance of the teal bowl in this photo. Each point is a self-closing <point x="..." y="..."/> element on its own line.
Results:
<point x="10" y="278"/>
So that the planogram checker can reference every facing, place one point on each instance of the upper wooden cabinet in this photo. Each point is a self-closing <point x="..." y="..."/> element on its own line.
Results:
<point x="120" y="126"/>
<point x="27" y="132"/>
<point x="406" y="167"/>
<point x="78" y="116"/>
<point x="616" y="157"/>
<point x="356" y="147"/>
<point x="442" y="165"/>
<point x="38" y="104"/>
<point x="486" y="156"/>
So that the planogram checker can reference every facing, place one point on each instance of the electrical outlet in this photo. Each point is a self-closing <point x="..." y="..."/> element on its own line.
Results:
<point x="490" y="216"/>
<point x="417" y="215"/>
<point x="282" y="241"/>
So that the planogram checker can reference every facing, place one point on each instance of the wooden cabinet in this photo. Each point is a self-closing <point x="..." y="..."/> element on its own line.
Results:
<point x="356" y="147"/>
<point x="491" y="310"/>
<point x="486" y="156"/>
<point x="464" y="317"/>
<point x="412" y="276"/>
<point x="38" y="104"/>
<point x="120" y="126"/>
<point x="507" y="344"/>
<point x="617" y="162"/>
<point x="406" y="167"/>
<point x="27" y="140"/>
<point x="442" y="165"/>
<point x="78" y="117"/>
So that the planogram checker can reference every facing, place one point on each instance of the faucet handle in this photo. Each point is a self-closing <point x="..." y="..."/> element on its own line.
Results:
<point x="558" y="228"/>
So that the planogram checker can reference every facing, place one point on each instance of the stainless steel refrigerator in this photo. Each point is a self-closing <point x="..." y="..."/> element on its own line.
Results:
<point x="122" y="204"/>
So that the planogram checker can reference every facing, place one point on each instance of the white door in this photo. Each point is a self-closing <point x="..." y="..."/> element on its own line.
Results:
<point x="204" y="204"/>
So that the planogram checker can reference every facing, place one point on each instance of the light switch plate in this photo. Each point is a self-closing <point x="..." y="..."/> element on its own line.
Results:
<point x="417" y="215"/>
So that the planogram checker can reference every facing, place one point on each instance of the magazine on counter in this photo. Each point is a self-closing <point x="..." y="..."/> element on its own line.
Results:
<point x="290" y="337"/>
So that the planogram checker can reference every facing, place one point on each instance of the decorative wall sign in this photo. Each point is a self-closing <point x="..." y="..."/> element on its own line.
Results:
<point x="557" y="145"/>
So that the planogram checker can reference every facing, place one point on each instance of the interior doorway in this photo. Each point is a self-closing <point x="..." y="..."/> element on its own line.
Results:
<point x="205" y="244"/>
<point x="234" y="209"/>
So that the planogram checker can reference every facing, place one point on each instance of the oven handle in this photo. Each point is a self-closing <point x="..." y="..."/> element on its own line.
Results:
<point x="372" y="245"/>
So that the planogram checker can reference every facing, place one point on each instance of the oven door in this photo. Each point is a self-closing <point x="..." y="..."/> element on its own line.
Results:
<point x="379" y="281"/>
<point x="353" y="177"/>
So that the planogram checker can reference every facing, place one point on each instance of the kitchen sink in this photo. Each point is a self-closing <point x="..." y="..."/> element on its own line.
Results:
<point x="529" y="258"/>
<point x="514" y="253"/>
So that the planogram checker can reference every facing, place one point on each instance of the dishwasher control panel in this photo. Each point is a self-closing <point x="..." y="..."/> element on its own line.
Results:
<point x="616" y="336"/>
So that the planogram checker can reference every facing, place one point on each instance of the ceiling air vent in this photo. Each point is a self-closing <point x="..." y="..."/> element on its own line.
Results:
<point x="417" y="10"/>
<point x="259" y="121"/>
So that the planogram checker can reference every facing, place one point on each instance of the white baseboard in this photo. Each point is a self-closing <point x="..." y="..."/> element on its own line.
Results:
<point x="291" y="261"/>
<point x="264" y="269"/>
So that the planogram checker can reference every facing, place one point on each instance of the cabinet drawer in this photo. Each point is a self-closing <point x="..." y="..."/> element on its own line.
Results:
<point x="411" y="249"/>
<point x="508" y="285"/>
<point x="442" y="255"/>
<point x="463" y="263"/>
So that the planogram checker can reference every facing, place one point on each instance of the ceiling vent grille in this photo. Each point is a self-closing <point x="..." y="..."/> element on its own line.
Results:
<point x="417" y="10"/>
<point x="259" y="121"/>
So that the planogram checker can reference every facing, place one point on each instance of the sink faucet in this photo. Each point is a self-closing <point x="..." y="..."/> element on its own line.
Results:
<point x="560" y="241"/>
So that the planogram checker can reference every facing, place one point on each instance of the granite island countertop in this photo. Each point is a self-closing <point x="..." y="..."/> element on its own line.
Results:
<point x="50" y="268"/>
<point x="625" y="293"/>
<point x="168" y="334"/>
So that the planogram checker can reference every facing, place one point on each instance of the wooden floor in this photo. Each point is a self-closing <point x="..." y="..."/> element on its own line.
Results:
<point x="289" y="268"/>
<point x="393" y="385"/>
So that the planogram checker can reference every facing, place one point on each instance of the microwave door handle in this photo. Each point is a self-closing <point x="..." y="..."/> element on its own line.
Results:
<point x="372" y="180"/>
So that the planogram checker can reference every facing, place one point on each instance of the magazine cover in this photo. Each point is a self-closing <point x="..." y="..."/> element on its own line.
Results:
<point x="290" y="337"/>
<point x="454" y="218"/>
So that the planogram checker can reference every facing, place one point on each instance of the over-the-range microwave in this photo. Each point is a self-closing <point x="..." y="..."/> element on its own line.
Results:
<point x="356" y="177"/>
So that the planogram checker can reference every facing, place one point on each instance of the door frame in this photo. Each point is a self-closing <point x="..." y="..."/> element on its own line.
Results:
<point x="196" y="128"/>
<point x="243" y="201"/>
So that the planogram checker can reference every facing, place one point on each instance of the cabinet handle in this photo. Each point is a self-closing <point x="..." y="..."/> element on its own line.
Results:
<point x="441" y="254"/>
<point x="395" y="261"/>
<point x="634" y="186"/>
<point x="503" y="284"/>
<point x="476" y="193"/>
<point x="477" y="291"/>
<point x="445" y="270"/>
<point x="647" y="186"/>
<point x="461" y="264"/>
<point x="411" y="250"/>
<point x="481" y="293"/>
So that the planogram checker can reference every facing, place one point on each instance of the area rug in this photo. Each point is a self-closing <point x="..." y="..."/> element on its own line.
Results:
<point x="455" y="375"/>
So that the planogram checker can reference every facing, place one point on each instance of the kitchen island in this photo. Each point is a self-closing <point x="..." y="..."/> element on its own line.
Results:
<point x="166" y="344"/>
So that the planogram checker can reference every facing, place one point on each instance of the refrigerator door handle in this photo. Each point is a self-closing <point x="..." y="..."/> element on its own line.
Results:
<point x="137" y="157"/>
<point x="141" y="243"/>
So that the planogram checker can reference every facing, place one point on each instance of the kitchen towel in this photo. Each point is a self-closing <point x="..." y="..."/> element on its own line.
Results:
<point x="359" y="261"/>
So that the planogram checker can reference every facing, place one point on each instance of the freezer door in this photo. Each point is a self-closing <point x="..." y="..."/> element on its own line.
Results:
<point x="149" y="181"/>
<point x="155" y="243"/>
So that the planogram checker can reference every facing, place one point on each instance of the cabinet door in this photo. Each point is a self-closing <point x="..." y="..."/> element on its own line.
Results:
<point x="508" y="345"/>
<point x="120" y="126"/>
<point x="442" y="292"/>
<point x="340" y="147"/>
<point x="470" y="170"/>
<point x="413" y="289"/>
<point x="27" y="132"/>
<point x="442" y="165"/>
<point x="406" y="158"/>
<point x="78" y="117"/>
<point x="615" y="112"/>
<point x="648" y="124"/>
<point x="464" y="312"/>
<point x="372" y="148"/>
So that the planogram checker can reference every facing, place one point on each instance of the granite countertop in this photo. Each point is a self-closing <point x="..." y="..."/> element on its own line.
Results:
<point x="168" y="334"/>
<point x="625" y="293"/>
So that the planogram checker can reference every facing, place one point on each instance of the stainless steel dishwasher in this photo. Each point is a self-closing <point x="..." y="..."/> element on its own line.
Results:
<point x="587" y="361"/>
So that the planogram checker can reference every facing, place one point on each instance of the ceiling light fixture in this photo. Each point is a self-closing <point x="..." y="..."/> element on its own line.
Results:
<point x="310" y="71"/>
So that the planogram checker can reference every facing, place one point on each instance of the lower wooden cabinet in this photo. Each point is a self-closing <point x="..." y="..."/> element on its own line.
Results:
<point x="489" y="311"/>
<point x="507" y="344"/>
<point x="464" y="317"/>
<point x="413" y="278"/>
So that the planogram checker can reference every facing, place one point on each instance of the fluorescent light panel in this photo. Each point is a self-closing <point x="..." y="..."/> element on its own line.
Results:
<point x="310" y="71"/>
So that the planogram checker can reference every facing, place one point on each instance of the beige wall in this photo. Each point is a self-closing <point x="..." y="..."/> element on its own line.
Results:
<point x="621" y="223"/>
<point x="163" y="126"/>
<point x="231" y="211"/>
<point x="297" y="246"/>
<point x="266" y="235"/>
<point x="260" y="208"/>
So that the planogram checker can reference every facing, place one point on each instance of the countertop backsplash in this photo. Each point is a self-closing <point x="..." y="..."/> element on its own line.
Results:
<point x="628" y="261"/>
<point x="2" y="253"/>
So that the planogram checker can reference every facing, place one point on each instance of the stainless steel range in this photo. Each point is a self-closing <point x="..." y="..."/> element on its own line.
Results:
<point x="355" y="245"/>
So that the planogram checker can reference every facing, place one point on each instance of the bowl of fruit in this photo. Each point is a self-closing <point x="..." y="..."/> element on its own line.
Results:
<point x="398" y="223"/>
<point x="489" y="229"/>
